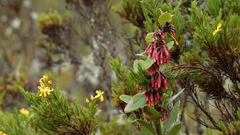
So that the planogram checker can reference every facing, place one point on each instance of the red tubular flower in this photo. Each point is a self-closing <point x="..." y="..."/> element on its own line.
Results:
<point x="167" y="114"/>
<point x="152" y="81"/>
<point x="161" y="55"/>
<point x="159" y="80"/>
<point x="151" y="97"/>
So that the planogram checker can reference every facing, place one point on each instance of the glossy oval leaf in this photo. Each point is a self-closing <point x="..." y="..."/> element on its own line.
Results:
<point x="148" y="63"/>
<point x="143" y="132"/>
<point x="170" y="45"/>
<point x="130" y="104"/>
<point x="146" y="126"/>
<point x="135" y="65"/>
<point x="165" y="17"/>
<point x="175" y="129"/>
<point x="151" y="113"/>
<point x="149" y="37"/>
<point x="125" y="98"/>
<point x="136" y="102"/>
<point x="173" y="116"/>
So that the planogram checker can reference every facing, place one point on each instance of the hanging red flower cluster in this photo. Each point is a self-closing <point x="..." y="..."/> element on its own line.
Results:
<point x="159" y="52"/>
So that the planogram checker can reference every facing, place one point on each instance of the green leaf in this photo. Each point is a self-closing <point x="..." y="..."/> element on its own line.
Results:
<point x="170" y="45"/>
<point x="131" y="119"/>
<point x="143" y="132"/>
<point x="125" y="98"/>
<point x="146" y="126"/>
<point x="149" y="37"/>
<point x="151" y="113"/>
<point x="136" y="102"/>
<point x="173" y="116"/>
<point x="165" y="104"/>
<point x="165" y="17"/>
<point x="175" y="129"/>
<point x="142" y="54"/>
<point x="164" y="100"/>
<point x="148" y="63"/>
<point x="144" y="64"/>
<point x="135" y="65"/>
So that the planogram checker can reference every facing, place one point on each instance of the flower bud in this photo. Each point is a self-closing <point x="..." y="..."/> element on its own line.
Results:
<point x="161" y="58"/>
<point x="151" y="97"/>
<point x="167" y="114"/>
<point x="163" y="42"/>
<point x="163" y="118"/>
<point x="165" y="83"/>
<point x="152" y="81"/>
<point x="159" y="80"/>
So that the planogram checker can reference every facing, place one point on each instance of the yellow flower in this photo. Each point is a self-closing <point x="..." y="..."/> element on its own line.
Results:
<point x="23" y="111"/>
<point x="99" y="94"/>
<point x="87" y="101"/>
<point x="218" y="29"/>
<point x="44" y="77"/>
<point x="44" y="91"/>
<point x="1" y="133"/>
<point x="92" y="97"/>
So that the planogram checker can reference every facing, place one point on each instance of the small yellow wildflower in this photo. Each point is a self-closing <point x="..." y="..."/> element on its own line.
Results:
<point x="44" y="91"/>
<point x="44" y="77"/>
<point x="1" y="133"/>
<point x="99" y="94"/>
<point x="218" y="29"/>
<point x="23" y="111"/>
<point x="87" y="101"/>
<point x="92" y="98"/>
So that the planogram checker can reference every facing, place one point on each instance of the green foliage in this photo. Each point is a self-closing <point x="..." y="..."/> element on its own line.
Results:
<point x="142" y="78"/>
<point x="18" y="124"/>
<point x="54" y="113"/>
<point x="146" y="126"/>
<point x="115" y="127"/>
<point x="230" y="128"/>
<point x="136" y="102"/>
<point x="143" y="64"/>
<point x="165" y="17"/>
<point x="132" y="11"/>
<point x="47" y="20"/>
<point x="124" y="85"/>
<point x="151" y="14"/>
<point x="125" y="98"/>
<point x="169" y="123"/>
<point x="171" y="99"/>
<point x="151" y="113"/>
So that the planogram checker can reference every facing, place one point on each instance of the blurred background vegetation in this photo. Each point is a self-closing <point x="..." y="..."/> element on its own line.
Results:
<point x="71" y="42"/>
